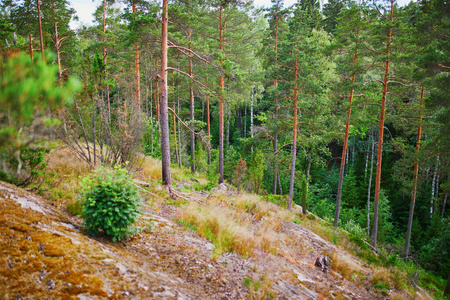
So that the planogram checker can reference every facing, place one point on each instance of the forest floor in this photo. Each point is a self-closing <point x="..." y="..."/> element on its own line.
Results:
<point x="255" y="250"/>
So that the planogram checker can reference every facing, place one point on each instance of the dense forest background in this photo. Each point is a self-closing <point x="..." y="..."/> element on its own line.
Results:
<point x="341" y="108"/>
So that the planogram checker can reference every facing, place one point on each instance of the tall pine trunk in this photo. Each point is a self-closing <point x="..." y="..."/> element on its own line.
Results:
<point x="156" y="97"/>
<point x="164" y="116"/>
<point x="251" y="116"/>
<point x="370" y="183"/>
<point x="380" y="135"/>
<point x="414" y="187"/>
<point x="294" y="142"/>
<point x="174" y="124"/>
<point x="192" y="104"/>
<point x="275" y="136"/>
<point x="344" y="150"/>
<point x="221" y="85"/>
<point x="56" y="42"/>
<point x="136" y="67"/>
<point x="41" y="38"/>
<point x="208" y="126"/>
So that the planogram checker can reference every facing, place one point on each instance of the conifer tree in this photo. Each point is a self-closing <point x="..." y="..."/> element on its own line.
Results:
<point x="303" y="74"/>
<point x="348" y="31"/>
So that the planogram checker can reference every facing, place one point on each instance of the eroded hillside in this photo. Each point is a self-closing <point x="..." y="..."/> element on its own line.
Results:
<point x="216" y="244"/>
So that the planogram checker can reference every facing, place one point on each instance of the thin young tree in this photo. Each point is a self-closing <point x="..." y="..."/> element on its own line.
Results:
<point x="415" y="176"/>
<point x="381" y="128"/>
<point x="352" y="17"/>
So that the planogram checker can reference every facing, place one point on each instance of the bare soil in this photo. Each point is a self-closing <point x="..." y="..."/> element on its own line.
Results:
<point x="45" y="254"/>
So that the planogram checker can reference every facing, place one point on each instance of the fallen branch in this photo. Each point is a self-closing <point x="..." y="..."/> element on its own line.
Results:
<point x="185" y="125"/>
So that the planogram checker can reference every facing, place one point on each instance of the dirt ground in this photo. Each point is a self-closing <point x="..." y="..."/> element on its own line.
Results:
<point x="47" y="255"/>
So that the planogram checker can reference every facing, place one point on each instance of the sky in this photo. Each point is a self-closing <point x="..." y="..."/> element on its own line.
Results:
<point x="85" y="8"/>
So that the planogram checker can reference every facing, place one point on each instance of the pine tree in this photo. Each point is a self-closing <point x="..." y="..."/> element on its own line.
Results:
<point x="303" y="73"/>
<point x="164" y="112"/>
<point x="348" y="32"/>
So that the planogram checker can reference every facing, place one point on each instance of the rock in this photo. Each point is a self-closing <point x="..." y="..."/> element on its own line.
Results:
<point x="323" y="262"/>
<point x="83" y="297"/>
<point x="223" y="188"/>
<point x="108" y="261"/>
<point x="209" y="247"/>
<point x="142" y="286"/>
<point x="51" y="284"/>
<point x="122" y="269"/>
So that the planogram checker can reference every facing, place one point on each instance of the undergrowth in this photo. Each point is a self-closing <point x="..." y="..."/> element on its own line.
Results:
<point x="242" y="223"/>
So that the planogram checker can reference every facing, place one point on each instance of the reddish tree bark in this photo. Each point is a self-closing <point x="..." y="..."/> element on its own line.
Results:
<point x="41" y="38"/>
<point x="164" y="112"/>
<point x="344" y="150"/>
<point x="136" y="63"/>
<point x="380" y="135"/>
<point x="57" y="46"/>
<point x="414" y="187"/>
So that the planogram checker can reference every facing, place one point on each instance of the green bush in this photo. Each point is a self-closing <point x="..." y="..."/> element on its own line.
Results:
<point x="111" y="202"/>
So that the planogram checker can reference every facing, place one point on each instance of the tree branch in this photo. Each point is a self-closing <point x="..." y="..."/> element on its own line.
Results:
<point x="185" y="125"/>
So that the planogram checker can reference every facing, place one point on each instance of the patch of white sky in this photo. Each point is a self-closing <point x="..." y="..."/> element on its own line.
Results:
<point x="86" y="8"/>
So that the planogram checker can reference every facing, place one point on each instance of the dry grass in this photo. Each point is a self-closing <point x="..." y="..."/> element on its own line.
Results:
<point x="60" y="181"/>
<point x="344" y="265"/>
<point x="218" y="225"/>
<point x="252" y="204"/>
<point x="237" y="224"/>
<point x="403" y="295"/>
<point x="259" y="289"/>
<point x="150" y="168"/>
<point x="382" y="276"/>
<point x="64" y="162"/>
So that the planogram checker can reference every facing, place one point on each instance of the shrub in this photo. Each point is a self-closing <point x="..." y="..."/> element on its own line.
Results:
<point x="111" y="202"/>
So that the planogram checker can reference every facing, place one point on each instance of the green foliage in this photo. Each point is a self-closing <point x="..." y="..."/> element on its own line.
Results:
<point x="27" y="91"/>
<point x="435" y="252"/>
<point x="230" y="160"/>
<point x="239" y="173"/>
<point x="27" y="94"/>
<point x="111" y="202"/>
<point x="277" y="199"/>
<point x="151" y="139"/>
<point x="303" y="193"/>
<point x="355" y="229"/>
<point x="200" y="158"/>
<point x="256" y="169"/>
<point x="25" y="166"/>
<point x="212" y="173"/>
